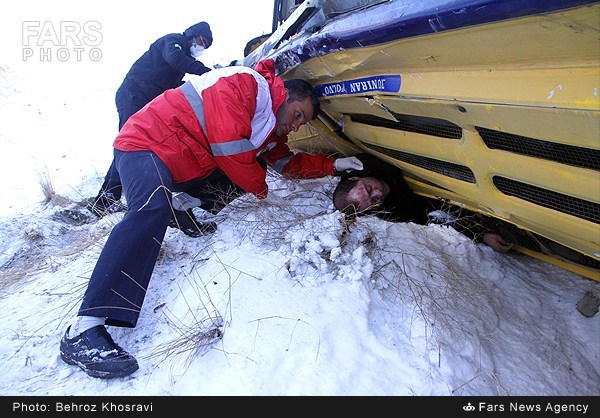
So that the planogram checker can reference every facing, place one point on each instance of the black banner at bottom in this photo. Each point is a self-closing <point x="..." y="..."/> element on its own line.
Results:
<point x="267" y="405"/>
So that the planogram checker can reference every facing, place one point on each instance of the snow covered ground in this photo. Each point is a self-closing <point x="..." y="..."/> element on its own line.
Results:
<point x="282" y="299"/>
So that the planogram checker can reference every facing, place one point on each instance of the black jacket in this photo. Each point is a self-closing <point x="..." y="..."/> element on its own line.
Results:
<point x="162" y="67"/>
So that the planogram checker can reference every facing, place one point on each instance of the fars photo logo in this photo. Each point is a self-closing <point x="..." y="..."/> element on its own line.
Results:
<point x="46" y="41"/>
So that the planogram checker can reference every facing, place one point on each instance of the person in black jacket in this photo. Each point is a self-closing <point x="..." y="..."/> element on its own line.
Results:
<point x="160" y="68"/>
<point x="379" y="189"/>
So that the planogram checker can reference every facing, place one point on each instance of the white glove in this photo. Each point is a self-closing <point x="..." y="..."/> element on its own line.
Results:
<point x="183" y="201"/>
<point x="347" y="164"/>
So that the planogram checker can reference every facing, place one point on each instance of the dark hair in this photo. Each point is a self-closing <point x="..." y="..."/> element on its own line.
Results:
<point x="299" y="89"/>
<point x="255" y="43"/>
<point x="340" y="197"/>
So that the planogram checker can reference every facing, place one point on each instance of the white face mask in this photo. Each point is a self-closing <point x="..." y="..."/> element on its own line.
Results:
<point x="196" y="50"/>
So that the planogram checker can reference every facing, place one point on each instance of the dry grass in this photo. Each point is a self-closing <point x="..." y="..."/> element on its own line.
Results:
<point x="48" y="191"/>
<point x="266" y="223"/>
<point x="441" y="286"/>
<point x="196" y="338"/>
<point x="38" y="250"/>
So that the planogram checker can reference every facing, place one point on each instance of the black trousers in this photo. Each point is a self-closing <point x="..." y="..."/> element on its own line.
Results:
<point x="119" y="281"/>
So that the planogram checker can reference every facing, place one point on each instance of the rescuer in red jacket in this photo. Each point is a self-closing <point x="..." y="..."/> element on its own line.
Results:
<point x="216" y="123"/>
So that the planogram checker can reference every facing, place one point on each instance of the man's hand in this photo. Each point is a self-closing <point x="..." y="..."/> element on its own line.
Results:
<point x="496" y="242"/>
<point x="347" y="164"/>
<point x="183" y="201"/>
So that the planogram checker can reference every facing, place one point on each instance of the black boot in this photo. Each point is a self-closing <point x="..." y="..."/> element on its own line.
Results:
<point x="186" y="221"/>
<point x="104" y="204"/>
<point x="95" y="352"/>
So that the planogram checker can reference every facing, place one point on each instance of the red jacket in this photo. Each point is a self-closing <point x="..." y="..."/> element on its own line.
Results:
<point x="222" y="119"/>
